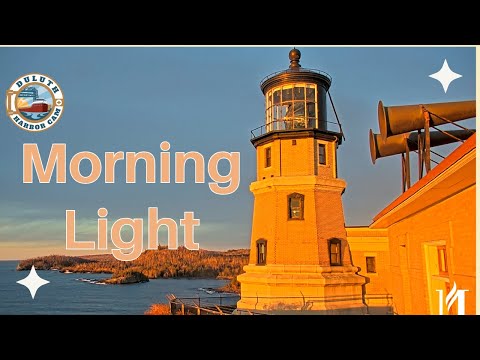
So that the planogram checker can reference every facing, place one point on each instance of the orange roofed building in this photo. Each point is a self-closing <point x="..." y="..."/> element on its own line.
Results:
<point x="424" y="241"/>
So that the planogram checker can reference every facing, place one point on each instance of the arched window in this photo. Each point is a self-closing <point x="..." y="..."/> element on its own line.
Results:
<point x="335" y="250"/>
<point x="261" y="252"/>
<point x="295" y="206"/>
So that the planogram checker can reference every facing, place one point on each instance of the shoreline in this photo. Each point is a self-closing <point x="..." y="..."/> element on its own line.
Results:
<point x="162" y="263"/>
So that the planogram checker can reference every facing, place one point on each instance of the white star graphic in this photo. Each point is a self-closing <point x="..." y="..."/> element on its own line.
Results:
<point x="445" y="76"/>
<point x="33" y="282"/>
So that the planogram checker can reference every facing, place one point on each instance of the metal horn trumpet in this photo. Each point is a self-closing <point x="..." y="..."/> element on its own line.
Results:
<point x="395" y="120"/>
<point x="396" y="144"/>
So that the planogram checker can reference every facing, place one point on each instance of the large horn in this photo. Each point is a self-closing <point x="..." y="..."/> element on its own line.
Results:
<point x="394" y="120"/>
<point x="396" y="144"/>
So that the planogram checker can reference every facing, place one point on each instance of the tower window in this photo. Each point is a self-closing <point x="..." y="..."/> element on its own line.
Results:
<point x="261" y="252"/>
<point x="295" y="206"/>
<point x="322" y="154"/>
<point x="268" y="157"/>
<point x="442" y="260"/>
<point x="335" y="249"/>
<point x="371" y="264"/>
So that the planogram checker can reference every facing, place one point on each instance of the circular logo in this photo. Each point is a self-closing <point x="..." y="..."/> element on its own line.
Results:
<point x="35" y="102"/>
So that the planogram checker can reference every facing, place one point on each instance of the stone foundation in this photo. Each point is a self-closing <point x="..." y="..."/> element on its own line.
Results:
<point x="301" y="288"/>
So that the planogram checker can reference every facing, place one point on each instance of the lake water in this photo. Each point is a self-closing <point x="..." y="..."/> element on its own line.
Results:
<point x="65" y="295"/>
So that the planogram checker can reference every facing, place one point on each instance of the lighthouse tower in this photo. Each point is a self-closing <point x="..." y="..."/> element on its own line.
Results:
<point x="299" y="255"/>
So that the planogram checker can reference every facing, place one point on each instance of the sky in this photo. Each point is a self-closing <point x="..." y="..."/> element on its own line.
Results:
<point x="206" y="100"/>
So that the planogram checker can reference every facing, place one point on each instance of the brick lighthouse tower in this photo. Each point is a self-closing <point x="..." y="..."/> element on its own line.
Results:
<point x="299" y="255"/>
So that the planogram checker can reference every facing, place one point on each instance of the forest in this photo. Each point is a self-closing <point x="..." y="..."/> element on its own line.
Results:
<point x="160" y="263"/>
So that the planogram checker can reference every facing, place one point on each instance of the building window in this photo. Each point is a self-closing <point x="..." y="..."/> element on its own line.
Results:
<point x="268" y="157"/>
<point x="335" y="248"/>
<point x="322" y="154"/>
<point x="261" y="252"/>
<point x="295" y="206"/>
<point x="371" y="264"/>
<point x="442" y="260"/>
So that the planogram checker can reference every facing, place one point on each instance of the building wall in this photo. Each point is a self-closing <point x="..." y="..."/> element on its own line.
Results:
<point x="365" y="242"/>
<point x="297" y="242"/>
<point x="406" y="253"/>
<point x="296" y="157"/>
<point x="414" y="258"/>
<point x="424" y="242"/>
<point x="295" y="168"/>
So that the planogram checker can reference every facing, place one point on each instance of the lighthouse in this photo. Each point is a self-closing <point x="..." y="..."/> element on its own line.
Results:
<point x="299" y="255"/>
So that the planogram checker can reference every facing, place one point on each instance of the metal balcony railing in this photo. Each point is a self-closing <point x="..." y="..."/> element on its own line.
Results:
<point x="294" y="123"/>
<point x="296" y="71"/>
<point x="226" y="304"/>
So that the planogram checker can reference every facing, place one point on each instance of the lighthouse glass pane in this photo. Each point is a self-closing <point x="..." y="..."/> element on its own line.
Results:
<point x="287" y="94"/>
<point x="299" y="93"/>
<point x="311" y="109"/>
<point x="287" y="110"/>
<point x="299" y="115"/>
<point x="276" y="97"/>
<point x="311" y="115"/>
<point x="276" y="112"/>
<point x="310" y="91"/>
<point x="287" y="115"/>
<point x="269" y="111"/>
<point x="299" y="109"/>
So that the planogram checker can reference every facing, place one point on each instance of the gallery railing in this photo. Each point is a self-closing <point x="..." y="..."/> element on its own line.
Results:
<point x="296" y="123"/>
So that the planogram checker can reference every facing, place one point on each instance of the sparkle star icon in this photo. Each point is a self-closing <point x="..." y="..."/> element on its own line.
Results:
<point x="33" y="282"/>
<point x="445" y="76"/>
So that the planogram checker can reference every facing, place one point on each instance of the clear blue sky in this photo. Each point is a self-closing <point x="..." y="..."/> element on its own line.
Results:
<point x="202" y="99"/>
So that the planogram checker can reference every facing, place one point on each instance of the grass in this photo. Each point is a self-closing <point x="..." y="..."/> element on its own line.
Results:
<point x="158" y="309"/>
